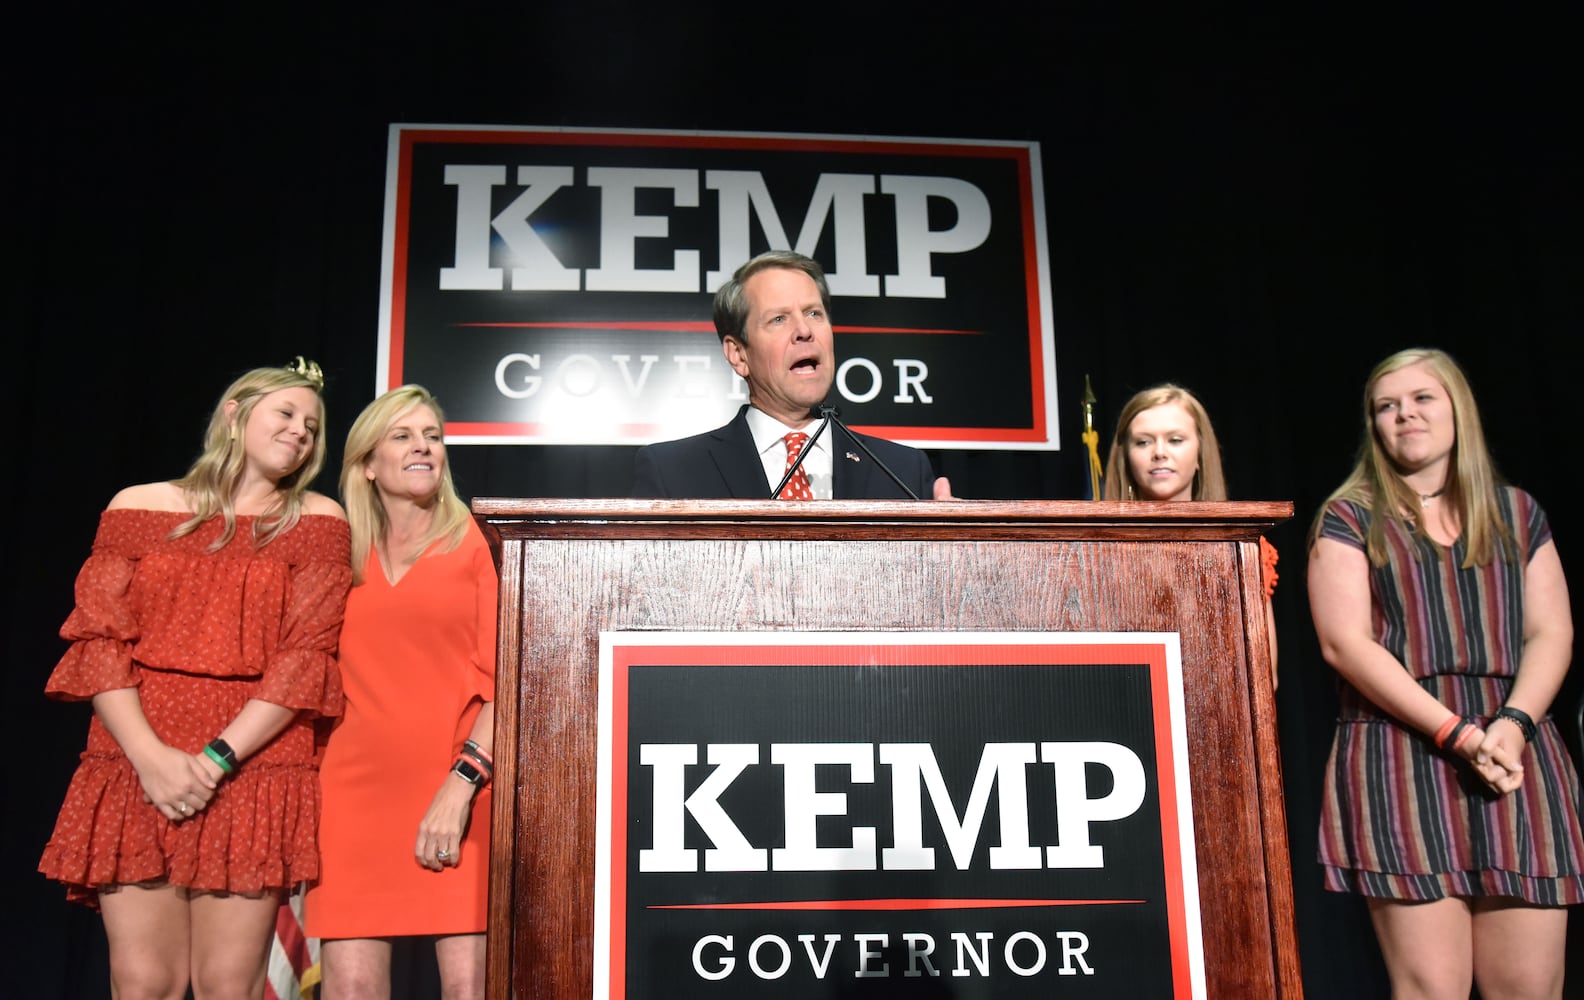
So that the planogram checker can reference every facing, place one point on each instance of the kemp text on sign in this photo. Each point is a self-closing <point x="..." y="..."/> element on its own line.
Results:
<point x="554" y="286"/>
<point x="817" y="814"/>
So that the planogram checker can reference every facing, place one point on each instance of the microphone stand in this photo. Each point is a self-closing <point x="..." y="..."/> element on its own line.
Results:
<point x="798" y="464"/>
<point x="829" y="414"/>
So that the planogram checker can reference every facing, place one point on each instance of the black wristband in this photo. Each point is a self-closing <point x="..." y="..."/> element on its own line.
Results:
<point x="468" y="773"/>
<point x="1520" y="718"/>
<point x="223" y="750"/>
<point x="484" y="765"/>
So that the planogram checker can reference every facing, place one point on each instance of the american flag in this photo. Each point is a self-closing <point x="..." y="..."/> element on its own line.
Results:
<point x="294" y="957"/>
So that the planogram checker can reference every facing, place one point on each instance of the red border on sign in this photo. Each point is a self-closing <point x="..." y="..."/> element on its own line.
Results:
<point x="395" y="375"/>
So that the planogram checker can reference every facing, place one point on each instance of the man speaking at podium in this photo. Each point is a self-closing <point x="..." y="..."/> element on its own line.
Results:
<point x="773" y="318"/>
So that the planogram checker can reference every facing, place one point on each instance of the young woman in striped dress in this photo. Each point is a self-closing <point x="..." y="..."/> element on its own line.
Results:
<point x="1450" y="799"/>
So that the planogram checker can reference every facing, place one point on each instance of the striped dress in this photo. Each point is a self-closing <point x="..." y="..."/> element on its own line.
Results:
<point x="1402" y="820"/>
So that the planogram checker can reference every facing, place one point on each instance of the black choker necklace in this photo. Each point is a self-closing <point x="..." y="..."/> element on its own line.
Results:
<point x="1425" y="498"/>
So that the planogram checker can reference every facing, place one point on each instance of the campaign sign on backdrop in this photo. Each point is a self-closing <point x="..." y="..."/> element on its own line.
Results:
<point x="554" y="286"/>
<point x="795" y="815"/>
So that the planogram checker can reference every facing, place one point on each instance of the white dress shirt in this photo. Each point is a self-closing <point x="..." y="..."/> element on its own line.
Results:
<point x="769" y="436"/>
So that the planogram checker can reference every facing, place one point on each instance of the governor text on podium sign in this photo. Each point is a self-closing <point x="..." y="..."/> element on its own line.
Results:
<point x="817" y="814"/>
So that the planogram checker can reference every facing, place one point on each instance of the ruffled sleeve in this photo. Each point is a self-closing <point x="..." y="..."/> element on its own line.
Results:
<point x="300" y="671"/>
<point x="1268" y="573"/>
<point x="103" y="626"/>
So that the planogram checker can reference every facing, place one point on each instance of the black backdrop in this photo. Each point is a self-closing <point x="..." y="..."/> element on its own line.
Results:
<point x="1258" y="205"/>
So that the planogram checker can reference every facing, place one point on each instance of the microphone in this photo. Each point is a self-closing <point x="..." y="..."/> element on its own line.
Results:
<point x="828" y="415"/>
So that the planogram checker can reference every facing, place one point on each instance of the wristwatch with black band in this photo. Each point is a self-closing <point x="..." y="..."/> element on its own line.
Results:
<point x="468" y="773"/>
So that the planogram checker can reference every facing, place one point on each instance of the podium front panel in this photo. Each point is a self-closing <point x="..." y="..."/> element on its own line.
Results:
<point x="574" y="570"/>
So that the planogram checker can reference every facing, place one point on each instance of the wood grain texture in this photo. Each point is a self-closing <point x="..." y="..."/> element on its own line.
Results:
<point x="571" y="569"/>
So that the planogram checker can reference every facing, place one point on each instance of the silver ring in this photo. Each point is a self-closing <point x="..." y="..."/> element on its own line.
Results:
<point x="442" y="854"/>
<point x="182" y="808"/>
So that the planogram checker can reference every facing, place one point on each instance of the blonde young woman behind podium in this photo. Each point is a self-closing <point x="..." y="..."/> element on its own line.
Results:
<point x="205" y="634"/>
<point x="1450" y="800"/>
<point x="405" y="837"/>
<point x="1165" y="449"/>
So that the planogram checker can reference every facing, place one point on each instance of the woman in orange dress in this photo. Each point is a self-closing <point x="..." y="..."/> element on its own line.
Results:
<point x="1165" y="449"/>
<point x="405" y="837"/>
<point x="205" y="633"/>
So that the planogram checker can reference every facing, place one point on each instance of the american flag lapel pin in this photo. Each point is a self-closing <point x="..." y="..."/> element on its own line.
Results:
<point x="851" y="457"/>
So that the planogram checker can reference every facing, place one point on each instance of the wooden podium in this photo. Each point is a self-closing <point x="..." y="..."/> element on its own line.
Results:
<point x="571" y="569"/>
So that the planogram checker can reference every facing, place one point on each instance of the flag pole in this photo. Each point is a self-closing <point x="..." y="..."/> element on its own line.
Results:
<point x="1096" y="481"/>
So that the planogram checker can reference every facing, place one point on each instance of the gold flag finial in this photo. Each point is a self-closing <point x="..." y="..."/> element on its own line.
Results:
<point x="1094" y="483"/>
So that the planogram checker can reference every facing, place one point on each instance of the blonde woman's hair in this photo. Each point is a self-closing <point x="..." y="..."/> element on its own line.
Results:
<point x="1470" y="491"/>
<point x="1209" y="482"/>
<point x="365" y="509"/>
<point x="210" y="485"/>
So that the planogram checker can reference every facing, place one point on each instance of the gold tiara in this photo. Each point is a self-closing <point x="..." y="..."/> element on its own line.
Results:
<point x="309" y="370"/>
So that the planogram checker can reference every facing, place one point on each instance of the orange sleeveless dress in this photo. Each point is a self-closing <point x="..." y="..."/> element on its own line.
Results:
<point x="418" y="661"/>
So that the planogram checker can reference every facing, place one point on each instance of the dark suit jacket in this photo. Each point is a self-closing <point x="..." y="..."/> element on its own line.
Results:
<point x="724" y="464"/>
